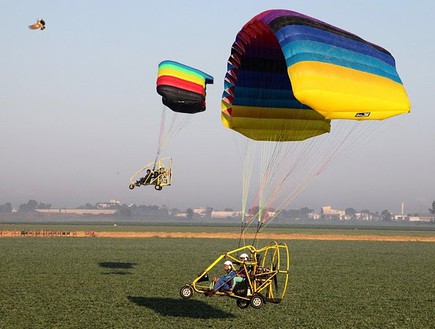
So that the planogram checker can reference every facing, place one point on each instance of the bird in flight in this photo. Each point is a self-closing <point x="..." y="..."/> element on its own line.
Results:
<point x="39" y="25"/>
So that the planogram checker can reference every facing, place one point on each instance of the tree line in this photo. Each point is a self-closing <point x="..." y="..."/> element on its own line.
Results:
<point x="126" y="211"/>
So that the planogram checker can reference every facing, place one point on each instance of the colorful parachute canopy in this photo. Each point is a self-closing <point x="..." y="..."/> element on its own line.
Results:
<point x="182" y="87"/>
<point x="283" y="61"/>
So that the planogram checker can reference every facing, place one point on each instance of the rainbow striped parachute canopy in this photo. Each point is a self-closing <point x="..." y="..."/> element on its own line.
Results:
<point x="289" y="74"/>
<point x="182" y="87"/>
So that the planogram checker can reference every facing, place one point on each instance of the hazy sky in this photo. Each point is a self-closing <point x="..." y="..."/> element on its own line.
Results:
<point x="80" y="114"/>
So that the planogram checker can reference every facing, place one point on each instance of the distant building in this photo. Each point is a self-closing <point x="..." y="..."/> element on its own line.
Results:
<point x="77" y="211"/>
<point x="329" y="213"/>
<point x="429" y="218"/>
<point x="225" y="214"/>
<point x="108" y="205"/>
<point x="199" y="211"/>
<point x="401" y="217"/>
<point x="363" y="216"/>
<point x="314" y="215"/>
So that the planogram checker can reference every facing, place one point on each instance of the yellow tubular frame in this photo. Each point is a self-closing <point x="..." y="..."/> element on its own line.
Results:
<point x="261" y="281"/>
<point x="163" y="162"/>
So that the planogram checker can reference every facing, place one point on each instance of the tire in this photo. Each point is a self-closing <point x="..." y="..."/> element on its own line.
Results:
<point x="131" y="186"/>
<point x="158" y="187"/>
<point x="186" y="291"/>
<point x="257" y="301"/>
<point x="242" y="303"/>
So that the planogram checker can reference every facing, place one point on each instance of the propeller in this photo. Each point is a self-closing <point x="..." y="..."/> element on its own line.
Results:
<point x="275" y="277"/>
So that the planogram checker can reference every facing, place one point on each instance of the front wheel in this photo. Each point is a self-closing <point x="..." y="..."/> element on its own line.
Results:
<point x="257" y="301"/>
<point x="131" y="186"/>
<point x="158" y="187"/>
<point x="241" y="303"/>
<point x="186" y="291"/>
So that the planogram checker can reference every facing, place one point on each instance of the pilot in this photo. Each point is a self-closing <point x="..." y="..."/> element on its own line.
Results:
<point x="225" y="282"/>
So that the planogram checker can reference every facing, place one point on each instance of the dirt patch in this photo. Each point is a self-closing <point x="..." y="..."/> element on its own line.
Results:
<point x="204" y="235"/>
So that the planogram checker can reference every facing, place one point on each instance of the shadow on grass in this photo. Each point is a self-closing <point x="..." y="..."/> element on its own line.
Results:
<point x="180" y="308"/>
<point x="117" y="267"/>
<point x="117" y="273"/>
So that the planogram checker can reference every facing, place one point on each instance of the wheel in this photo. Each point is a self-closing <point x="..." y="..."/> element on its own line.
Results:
<point x="158" y="187"/>
<point x="257" y="301"/>
<point x="131" y="186"/>
<point x="186" y="291"/>
<point x="242" y="303"/>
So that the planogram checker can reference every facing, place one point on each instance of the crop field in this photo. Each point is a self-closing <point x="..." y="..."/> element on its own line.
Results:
<point x="134" y="283"/>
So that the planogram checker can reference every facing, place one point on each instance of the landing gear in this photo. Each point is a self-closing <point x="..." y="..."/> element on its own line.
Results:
<point x="186" y="291"/>
<point x="241" y="303"/>
<point x="257" y="301"/>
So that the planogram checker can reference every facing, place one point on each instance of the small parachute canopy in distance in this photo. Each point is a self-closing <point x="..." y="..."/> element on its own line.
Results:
<point x="39" y="25"/>
<point x="183" y="88"/>
<point x="284" y="62"/>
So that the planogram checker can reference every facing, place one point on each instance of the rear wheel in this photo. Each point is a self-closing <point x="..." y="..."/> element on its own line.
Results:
<point x="242" y="303"/>
<point x="131" y="186"/>
<point x="186" y="291"/>
<point x="158" y="187"/>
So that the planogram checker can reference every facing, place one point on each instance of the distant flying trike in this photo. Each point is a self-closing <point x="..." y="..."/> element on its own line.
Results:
<point x="157" y="174"/>
<point x="265" y="276"/>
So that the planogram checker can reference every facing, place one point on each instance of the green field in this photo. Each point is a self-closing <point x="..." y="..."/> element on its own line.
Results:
<point x="134" y="283"/>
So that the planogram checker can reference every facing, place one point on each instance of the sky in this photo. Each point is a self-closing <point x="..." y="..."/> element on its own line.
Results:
<point x="79" y="112"/>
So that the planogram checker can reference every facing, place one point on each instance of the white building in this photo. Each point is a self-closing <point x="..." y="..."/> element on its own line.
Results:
<point x="422" y="218"/>
<point x="329" y="213"/>
<point x="108" y="205"/>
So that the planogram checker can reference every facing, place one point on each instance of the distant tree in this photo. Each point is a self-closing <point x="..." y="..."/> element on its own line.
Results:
<point x="28" y="207"/>
<point x="42" y="205"/>
<point x="163" y="211"/>
<point x="6" y="208"/>
<point x="124" y="211"/>
<point x="350" y="212"/>
<point x="208" y="212"/>
<point x="189" y="213"/>
<point x="304" y="212"/>
<point x="32" y="205"/>
<point x="432" y="211"/>
<point x="175" y="211"/>
<point x="22" y="207"/>
<point x="133" y="206"/>
<point x="386" y="216"/>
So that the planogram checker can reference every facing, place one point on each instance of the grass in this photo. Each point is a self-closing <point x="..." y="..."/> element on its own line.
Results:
<point x="133" y="283"/>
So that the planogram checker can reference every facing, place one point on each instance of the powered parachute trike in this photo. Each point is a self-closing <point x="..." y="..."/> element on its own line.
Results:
<point x="298" y="90"/>
<point x="157" y="174"/>
<point x="183" y="90"/>
<point x="261" y="278"/>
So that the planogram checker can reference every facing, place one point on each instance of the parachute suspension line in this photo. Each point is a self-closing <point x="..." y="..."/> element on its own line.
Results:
<point x="286" y="166"/>
<point x="257" y="231"/>
<point x="290" y="167"/>
<point x="170" y="125"/>
<point x="162" y="138"/>
<point x="301" y="163"/>
<point x="345" y="137"/>
<point x="246" y="179"/>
